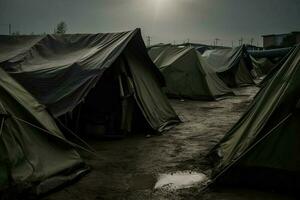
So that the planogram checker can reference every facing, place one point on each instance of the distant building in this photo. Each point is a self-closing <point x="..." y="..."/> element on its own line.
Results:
<point x="281" y="40"/>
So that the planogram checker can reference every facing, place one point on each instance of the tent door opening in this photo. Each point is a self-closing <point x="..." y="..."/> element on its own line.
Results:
<point x="110" y="109"/>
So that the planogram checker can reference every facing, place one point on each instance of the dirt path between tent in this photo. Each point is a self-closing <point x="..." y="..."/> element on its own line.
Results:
<point x="128" y="168"/>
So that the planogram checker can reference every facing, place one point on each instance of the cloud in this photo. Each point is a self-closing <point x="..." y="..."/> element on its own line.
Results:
<point x="164" y="20"/>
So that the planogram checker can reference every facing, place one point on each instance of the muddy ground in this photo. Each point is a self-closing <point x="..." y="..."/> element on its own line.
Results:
<point x="128" y="168"/>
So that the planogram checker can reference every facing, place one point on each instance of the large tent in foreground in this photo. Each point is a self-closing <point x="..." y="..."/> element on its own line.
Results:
<point x="186" y="74"/>
<point x="233" y="66"/>
<point x="100" y="81"/>
<point x="264" y="145"/>
<point x="35" y="155"/>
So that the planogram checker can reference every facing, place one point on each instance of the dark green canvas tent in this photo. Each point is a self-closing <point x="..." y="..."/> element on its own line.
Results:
<point x="264" y="61"/>
<point x="104" y="81"/>
<point x="270" y="53"/>
<point x="34" y="153"/>
<point x="186" y="74"/>
<point x="264" y="145"/>
<point x="276" y="67"/>
<point x="233" y="66"/>
<point x="262" y="66"/>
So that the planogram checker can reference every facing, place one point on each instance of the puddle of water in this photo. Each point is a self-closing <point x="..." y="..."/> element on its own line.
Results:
<point x="180" y="180"/>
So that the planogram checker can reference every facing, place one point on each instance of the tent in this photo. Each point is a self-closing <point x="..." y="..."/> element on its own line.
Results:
<point x="264" y="145"/>
<point x="265" y="60"/>
<point x="262" y="66"/>
<point x="186" y="75"/>
<point x="276" y="67"/>
<point x="233" y="66"/>
<point x="91" y="82"/>
<point x="35" y="155"/>
<point x="202" y="47"/>
<point x="199" y="47"/>
<point x="253" y="47"/>
<point x="271" y="53"/>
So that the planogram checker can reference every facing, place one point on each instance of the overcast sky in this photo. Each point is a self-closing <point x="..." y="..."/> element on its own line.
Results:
<point x="163" y="20"/>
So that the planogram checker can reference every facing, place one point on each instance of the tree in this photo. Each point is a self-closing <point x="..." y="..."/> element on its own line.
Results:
<point x="61" y="28"/>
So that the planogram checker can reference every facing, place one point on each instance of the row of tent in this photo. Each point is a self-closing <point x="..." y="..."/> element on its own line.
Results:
<point x="262" y="148"/>
<point x="186" y="74"/>
<point x="211" y="73"/>
<point x="209" y="76"/>
<point x="57" y="84"/>
<point x="53" y="86"/>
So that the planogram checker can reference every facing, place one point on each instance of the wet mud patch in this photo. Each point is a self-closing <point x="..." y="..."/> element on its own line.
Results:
<point x="241" y="107"/>
<point x="210" y="108"/>
<point x="129" y="168"/>
<point x="142" y="181"/>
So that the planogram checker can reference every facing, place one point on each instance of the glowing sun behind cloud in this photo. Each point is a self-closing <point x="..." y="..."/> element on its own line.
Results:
<point x="160" y="6"/>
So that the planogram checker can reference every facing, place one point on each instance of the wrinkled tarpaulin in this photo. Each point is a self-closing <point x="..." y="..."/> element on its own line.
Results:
<point x="34" y="153"/>
<point x="60" y="70"/>
<point x="267" y="135"/>
<point x="234" y="66"/>
<point x="264" y="61"/>
<point x="186" y="74"/>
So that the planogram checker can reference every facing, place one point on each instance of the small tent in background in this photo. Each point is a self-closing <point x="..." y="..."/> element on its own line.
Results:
<point x="98" y="81"/>
<point x="265" y="60"/>
<point x="264" y="145"/>
<point x="201" y="48"/>
<point x="233" y="66"/>
<point x="186" y="75"/>
<point x="276" y="67"/>
<point x="262" y="66"/>
<point x="35" y="155"/>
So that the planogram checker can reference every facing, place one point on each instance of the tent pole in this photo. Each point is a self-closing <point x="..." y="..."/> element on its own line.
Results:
<point x="92" y="151"/>
<point x="76" y="136"/>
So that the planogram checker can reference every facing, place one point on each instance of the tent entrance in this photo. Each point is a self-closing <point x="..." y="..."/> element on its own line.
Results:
<point x="110" y="109"/>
